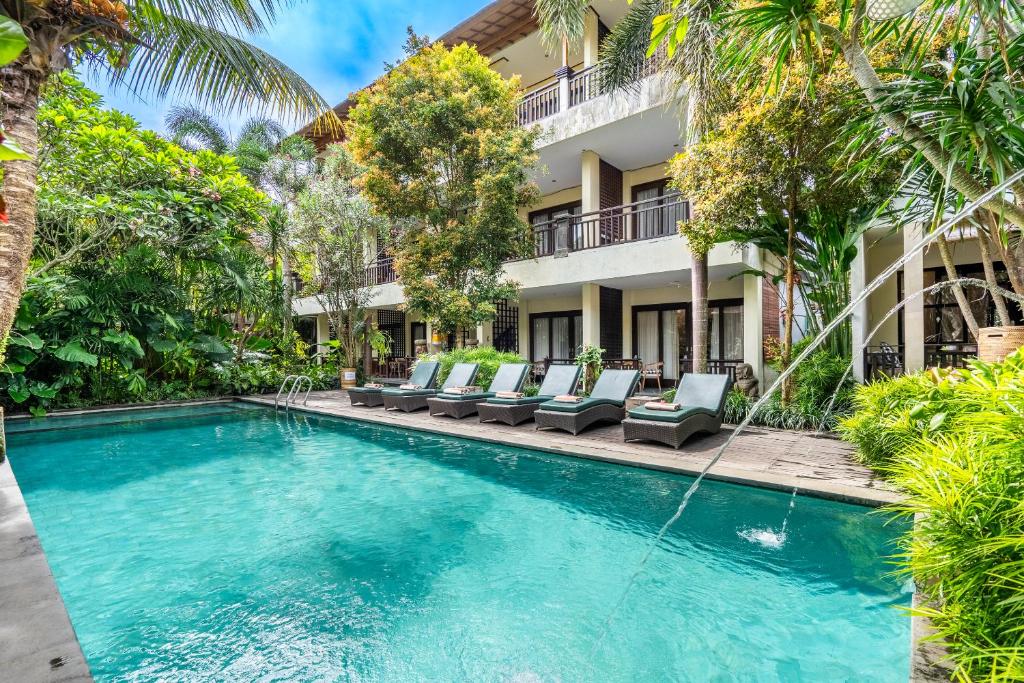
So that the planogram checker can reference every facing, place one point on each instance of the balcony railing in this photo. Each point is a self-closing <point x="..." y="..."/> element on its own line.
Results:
<point x="647" y="219"/>
<point x="539" y="104"/>
<point x="889" y="361"/>
<point x="381" y="272"/>
<point x="583" y="85"/>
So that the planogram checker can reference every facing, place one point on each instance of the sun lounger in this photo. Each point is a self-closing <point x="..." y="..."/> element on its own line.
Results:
<point x="510" y="377"/>
<point x="701" y="400"/>
<point x="424" y="375"/>
<point x="606" y="404"/>
<point x="409" y="400"/>
<point x="560" y="379"/>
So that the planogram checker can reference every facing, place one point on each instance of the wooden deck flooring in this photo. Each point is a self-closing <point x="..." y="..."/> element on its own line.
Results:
<point x="819" y="466"/>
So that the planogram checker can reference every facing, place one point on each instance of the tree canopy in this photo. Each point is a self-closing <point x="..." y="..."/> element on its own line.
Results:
<point x="446" y="159"/>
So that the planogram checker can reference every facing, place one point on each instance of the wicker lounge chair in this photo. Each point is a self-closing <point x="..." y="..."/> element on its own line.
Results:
<point x="606" y="404"/>
<point x="702" y="407"/>
<point x="408" y="400"/>
<point x="425" y="375"/>
<point x="560" y="379"/>
<point x="510" y="377"/>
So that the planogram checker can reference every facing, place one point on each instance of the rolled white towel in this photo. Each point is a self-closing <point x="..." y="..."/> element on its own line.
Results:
<point x="565" y="398"/>
<point x="509" y="394"/>
<point x="410" y="386"/>
<point x="662" y="405"/>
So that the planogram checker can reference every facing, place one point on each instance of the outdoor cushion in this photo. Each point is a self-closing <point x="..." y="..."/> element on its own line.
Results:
<point x="559" y="407"/>
<point x="462" y="375"/>
<point x="476" y="396"/>
<point x="425" y="373"/>
<point x="616" y="385"/>
<point x="364" y="390"/>
<point x="526" y="400"/>
<point x="560" y="379"/>
<point x="708" y="391"/>
<point x="409" y="392"/>
<point x="509" y="377"/>
<point x="670" y="415"/>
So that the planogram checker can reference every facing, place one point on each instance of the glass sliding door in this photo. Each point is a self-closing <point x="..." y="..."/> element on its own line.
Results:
<point x="661" y="335"/>
<point x="555" y="335"/>
<point x="647" y="328"/>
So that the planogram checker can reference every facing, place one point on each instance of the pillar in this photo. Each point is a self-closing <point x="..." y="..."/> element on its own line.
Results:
<point x="590" y="38"/>
<point x="591" y="314"/>
<point x="859" y="323"/>
<point x="323" y="332"/>
<point x="590" y="166"/>
<point x="524" y="331"/>
<point x="913" y="312"/>
<point x="485" y="333"/>
<point x="753" y="309"/>
<point x="563" y="74"/>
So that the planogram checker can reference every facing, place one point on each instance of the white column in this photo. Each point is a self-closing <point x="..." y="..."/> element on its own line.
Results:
<point x="913" y="312"/>
<point x="591" y="314"/>
<point x="323" y="331"/>
<point x="859" y="321"/>
<point x="563" y="74"/>
<point x="524" y="330"/>
<point x="485" y="333"/>
<point x="590" y="166"/>
<point x="590" y="38"/>
<point x="753" y="307"/>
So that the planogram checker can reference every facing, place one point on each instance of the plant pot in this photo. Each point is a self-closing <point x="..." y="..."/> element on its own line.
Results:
<point x="996" y="343"/>
<point x="347" y="377"/>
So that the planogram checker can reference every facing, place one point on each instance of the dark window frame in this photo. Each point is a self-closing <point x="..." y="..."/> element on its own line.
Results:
<point x="720" y="304"/>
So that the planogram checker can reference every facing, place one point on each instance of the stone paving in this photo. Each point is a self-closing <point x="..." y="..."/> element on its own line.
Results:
<point x="816" y="465"/>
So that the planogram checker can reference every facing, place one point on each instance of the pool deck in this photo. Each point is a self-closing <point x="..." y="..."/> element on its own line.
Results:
<point x="819" y="466"/>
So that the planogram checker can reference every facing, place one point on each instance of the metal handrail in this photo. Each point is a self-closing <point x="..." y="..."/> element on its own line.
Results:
<point x="293" y="390"/>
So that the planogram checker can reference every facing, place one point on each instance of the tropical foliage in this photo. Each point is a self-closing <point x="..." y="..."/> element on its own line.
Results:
<point x="445" y="157"/>
<point x="144" y="275"/>
<point x="338" y="234"/>
<point x="489" y="358"/>
<point x="951" y="441"/>
<point x="156" y="47"/>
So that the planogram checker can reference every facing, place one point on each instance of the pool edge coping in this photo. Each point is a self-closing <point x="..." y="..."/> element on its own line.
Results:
<point x="40" y="642"/>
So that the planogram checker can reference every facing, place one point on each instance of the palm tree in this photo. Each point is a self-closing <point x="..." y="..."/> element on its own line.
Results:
<point x="561" y="23"/>
<point x="693" y="59"/>
<point x="185" y="47"/>
<point x="194" y="129"/>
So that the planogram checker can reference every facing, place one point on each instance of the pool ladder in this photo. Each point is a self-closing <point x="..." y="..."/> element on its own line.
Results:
<point x="294" y="389"/>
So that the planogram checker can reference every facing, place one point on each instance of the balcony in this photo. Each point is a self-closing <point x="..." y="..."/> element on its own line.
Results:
<point x="643" y="220"/>
<point x="382" y="271"/>
<point x="887" y="361"/>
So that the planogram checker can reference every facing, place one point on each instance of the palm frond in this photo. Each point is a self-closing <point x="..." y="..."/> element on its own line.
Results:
<point x="261" y="131"/>
<point x="193" y="129"/>
<point x="560" y="20"/>
<point x="225" y="15"/>
<point x="624" y="51"/>
<point x="212" y="67"/>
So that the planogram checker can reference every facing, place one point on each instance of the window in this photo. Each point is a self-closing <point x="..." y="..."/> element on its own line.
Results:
<point x="552" y="227"/>
<point x="652" y="218"/>
<point x="555" y="335"/>
<point x="661" y="333"/>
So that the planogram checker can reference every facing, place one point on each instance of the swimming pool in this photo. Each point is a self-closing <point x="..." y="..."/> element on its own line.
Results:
<point x="233" y="543"/>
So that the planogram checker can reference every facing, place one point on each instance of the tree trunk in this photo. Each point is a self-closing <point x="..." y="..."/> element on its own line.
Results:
<point x="787" y="330"/>
<point x="367" y="351"/>
<point x="21" y="100"/>
<point x="990" y="277"/>
<point x="699" y="285"/>
<point x="286" y="294"/>
<point x="958" y="291"/>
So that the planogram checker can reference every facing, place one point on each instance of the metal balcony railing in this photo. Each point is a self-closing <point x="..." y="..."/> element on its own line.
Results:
<point x="381" y="272"/>
<point x="647" y="219"/>
<point x="538" y="104"/>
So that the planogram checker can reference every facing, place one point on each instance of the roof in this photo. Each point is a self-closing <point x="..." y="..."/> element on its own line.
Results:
<point x="494" y="27"/>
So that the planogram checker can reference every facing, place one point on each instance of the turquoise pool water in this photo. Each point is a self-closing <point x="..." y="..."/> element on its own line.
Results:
<point x="233" y="543"/>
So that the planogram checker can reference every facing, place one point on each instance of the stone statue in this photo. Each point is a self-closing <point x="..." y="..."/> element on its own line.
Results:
<point x="746" y="383"/>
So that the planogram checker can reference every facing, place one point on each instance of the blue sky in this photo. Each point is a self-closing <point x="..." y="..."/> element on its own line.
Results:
<point x="337" y="45"/>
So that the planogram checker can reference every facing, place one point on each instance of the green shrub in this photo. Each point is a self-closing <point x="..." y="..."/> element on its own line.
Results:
<point x="952" y="442"/>
<point x="489" y="358"/>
